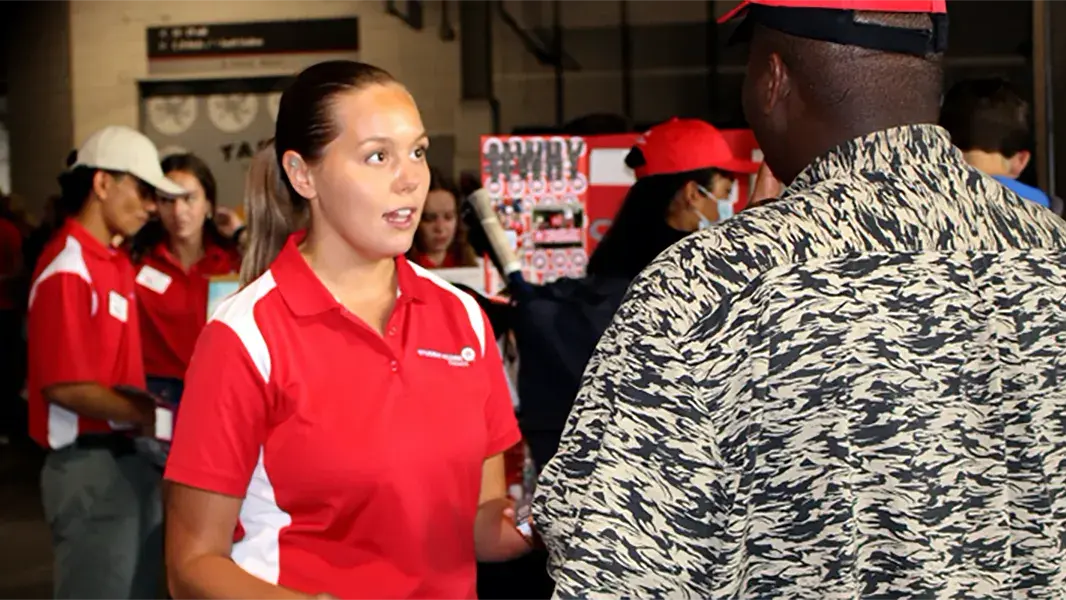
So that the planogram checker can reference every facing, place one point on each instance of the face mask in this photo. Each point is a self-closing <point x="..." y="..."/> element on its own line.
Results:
<point x="705" y="222"/>
<point x="725" y="208"/>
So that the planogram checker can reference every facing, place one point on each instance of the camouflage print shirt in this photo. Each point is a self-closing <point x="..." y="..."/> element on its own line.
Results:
<point x="858" y="390"/>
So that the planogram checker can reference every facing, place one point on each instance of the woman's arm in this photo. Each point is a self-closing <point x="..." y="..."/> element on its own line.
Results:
<point x="496" y="538"/>
<point x="199" y="536"/>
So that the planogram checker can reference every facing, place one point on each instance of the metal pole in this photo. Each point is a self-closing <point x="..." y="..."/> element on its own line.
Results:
<point x="1049" y="92"/>
<point x="627" y="61"/>
<point x="557" y="31"/>
<point x="711" y="62"/>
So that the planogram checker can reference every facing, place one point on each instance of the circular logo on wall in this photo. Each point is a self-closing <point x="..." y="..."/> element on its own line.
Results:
<point x="273" y="103"/>
<point x="232" y="113"/>
<point x="171" y="115"/>
<point x="467" y="354"/>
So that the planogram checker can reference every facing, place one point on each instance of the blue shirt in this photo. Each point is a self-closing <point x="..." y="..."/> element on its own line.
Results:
<point x="1025" y="191"/>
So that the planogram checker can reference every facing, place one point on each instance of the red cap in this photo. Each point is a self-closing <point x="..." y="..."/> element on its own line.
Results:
<point x="910" y="6"/>
<point x="682" y="145"/>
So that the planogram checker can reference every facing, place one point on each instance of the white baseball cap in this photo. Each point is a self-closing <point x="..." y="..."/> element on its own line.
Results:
<point x="125" y="150"/>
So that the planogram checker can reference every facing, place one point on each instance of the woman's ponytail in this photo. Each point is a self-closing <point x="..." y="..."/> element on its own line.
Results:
<point x="273" y="214"/>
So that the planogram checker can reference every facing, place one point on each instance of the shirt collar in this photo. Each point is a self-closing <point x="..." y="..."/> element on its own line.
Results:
<point x="88" y="241"/>
<point x="215" y="257"/>
<point x="885" y="150"/>
<point x="305" y="294"/>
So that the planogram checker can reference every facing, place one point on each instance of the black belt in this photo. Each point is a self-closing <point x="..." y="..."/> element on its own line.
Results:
<point x="116" y="443"/>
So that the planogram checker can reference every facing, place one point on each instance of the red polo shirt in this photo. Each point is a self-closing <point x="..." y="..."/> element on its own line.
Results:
<point x="423" y="260"/>
<point x="358" y="456"/>
<point x="172" y="303"/>
<point x="82" y="328"/>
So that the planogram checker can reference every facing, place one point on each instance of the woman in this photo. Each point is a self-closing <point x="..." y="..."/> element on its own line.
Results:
<point x="174" y="256"/>
<point x="345" y="412"/>
<point x="441" y="239"/>
<point x="685" y="170"/>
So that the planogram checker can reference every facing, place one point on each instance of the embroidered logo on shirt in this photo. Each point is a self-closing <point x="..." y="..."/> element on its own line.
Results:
<point x="463" y="359"/>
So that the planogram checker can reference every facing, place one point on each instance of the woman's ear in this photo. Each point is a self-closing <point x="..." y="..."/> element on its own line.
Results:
<point x="692" y="195"/>
<point x="299" y="174"/>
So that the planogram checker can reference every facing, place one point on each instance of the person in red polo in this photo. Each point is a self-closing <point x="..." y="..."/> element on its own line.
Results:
<point x="101" y="498"/>
<point x="346" y="412"/>
<point x="174" y="256"/>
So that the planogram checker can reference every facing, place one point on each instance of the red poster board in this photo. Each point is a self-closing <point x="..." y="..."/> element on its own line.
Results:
<point x="557" y="195"/>
<point x="539" y="187"/>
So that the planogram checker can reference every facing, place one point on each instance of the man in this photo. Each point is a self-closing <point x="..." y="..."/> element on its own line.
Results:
<point x="989" y="121"/>
<point x="855" y="390"/>
<point x="101" y="498"/>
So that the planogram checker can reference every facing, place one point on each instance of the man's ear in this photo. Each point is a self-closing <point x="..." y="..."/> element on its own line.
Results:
<point x="102" y="184"/>
<point x="778" y="83"/>
<point x="1017" y="163"/>
<point x="299" y="174"/>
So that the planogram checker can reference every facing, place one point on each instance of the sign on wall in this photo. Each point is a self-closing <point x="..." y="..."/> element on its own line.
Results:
<point x="224" y="122"/>
<point x="277" y="46"/>
<point x="538" y="187"/>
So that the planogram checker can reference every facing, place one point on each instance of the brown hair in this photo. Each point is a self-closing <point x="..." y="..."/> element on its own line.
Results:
<point x="305" y="125"/>
<point x="460" y="250"/>
<point x="270" y="213"/>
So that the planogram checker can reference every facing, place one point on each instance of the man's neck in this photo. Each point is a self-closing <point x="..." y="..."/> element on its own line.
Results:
<point x="92" y="220"/>
<point x="187" y="251"/>
<point x="846" y="125"/>
<point x="989" y="163"/>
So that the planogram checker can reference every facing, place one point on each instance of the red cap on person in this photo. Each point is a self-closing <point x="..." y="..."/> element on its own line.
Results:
<point x="683" y="145"/>
<point x="834" y="21"/>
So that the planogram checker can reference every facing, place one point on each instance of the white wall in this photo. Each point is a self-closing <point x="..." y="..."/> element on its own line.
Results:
<point x="109" y="55"/>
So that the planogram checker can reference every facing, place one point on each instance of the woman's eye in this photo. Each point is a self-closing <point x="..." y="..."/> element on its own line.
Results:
<point x="377" y="157"/>
<point x="419" y="153"/>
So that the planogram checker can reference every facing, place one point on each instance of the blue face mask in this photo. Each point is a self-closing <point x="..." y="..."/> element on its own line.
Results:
<point x="705" y="222"/>
<point x="725" y="208"/>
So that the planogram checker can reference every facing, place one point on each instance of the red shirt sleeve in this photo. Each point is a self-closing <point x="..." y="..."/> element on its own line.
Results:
<point x="60" y="328"/>
<point x="221" y="421"/>
<point x="500" y="421"/>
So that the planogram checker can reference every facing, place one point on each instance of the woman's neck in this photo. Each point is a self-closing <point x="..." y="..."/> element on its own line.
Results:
<point x="188" y="251"/>
<point x="437" y="257"/>
<point x="366" y="287"/>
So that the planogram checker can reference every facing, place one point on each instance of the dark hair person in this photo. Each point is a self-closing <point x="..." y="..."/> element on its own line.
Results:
<point x="174" y="256"/>
<point x="990" y="122"/>
<point x="345" y="412"/>
<point x="86" y="375"/>
<point x="441" y="241"/>
<point x="854" y="390"/>
<point x="685" y="171"/>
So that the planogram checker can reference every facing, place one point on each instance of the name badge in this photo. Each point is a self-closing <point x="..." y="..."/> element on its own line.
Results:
<point x="154" y="279"/>
<point x="118" y="306"/>
<point x="164" y="423"/>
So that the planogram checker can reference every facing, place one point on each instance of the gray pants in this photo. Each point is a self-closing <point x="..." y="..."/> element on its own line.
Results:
<point x="105" y="511"/>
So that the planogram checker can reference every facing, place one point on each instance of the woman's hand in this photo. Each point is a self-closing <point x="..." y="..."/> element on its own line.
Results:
<point x="497" y="537"/>
<point x="227" y="221"/>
